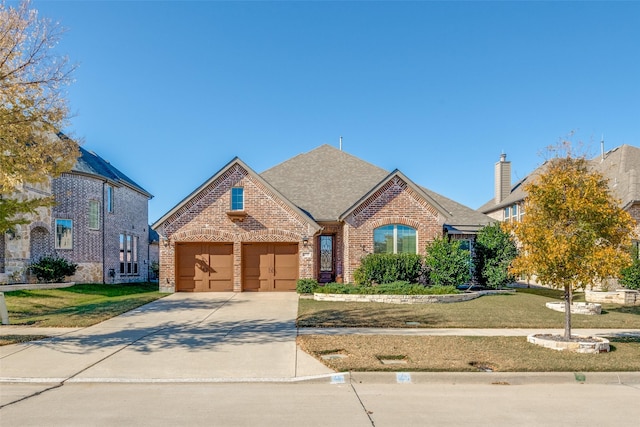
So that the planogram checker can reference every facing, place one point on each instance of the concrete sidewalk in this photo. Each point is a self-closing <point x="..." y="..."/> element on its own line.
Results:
<point x="464" y="332"/>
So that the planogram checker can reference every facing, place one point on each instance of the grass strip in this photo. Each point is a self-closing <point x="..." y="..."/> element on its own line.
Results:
<point x="466" y="354"/>
<point x="524" y="309"/>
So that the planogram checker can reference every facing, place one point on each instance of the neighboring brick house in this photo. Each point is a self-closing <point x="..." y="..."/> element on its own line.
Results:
<point x="99" y="221"/>
<point x="313" y="216"/>
<point x="620" y="166"/>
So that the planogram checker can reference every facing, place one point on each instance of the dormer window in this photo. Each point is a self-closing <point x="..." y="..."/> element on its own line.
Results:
<point x="237" y="199"/>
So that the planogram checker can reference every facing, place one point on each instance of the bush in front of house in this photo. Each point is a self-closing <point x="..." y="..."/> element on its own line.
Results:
<point x="447" y="263"/>
<point x="306" y="286"/>
<point x="630" y="276"/>
<point x="389" y="268"/>
<point x="494" y="252"/>
<point x="50" y="269"/>
<point x="393" y="288"/>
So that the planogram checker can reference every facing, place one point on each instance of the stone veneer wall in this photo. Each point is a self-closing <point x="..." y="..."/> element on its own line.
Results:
<point x="621" y="296"/>
<point x="204" y="219"/>
<point x="394" y="203"/>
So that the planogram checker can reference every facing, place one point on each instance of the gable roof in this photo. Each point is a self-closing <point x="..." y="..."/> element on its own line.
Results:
<point x="328" y="183"/>
<point x="324" y="182"/>
<point x="236" y="161"/>
<point x="91" y="164"/>
<point x="620" y="166"/>
<point x="414" y="187"/>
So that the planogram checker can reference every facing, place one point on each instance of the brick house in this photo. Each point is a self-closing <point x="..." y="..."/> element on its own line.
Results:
<point x="620" y="166"/>
<point x="244" y="231"/>
<point x="99" y="221"/>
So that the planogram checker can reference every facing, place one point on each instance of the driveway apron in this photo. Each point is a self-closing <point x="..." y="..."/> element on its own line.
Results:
<point x="191" y="337"/>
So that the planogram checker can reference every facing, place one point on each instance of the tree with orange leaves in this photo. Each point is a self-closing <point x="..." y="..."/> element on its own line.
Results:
<point x="573" y="233"/>
<point x="33" y="109"/>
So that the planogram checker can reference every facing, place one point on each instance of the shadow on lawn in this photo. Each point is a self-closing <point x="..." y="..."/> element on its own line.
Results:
<point x="365" y="317"/>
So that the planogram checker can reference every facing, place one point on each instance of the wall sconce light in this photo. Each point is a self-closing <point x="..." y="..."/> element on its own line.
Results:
<point x="305" y="241"/>
<point x="364" y="248"/>
<point x="165" y="241"/>
<point x="11" y="233"/>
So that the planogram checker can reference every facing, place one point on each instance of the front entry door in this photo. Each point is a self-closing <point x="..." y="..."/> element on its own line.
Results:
<point x="327" y="264"/>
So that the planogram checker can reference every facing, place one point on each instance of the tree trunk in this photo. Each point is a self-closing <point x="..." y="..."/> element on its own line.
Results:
<point x="567" y="312"/>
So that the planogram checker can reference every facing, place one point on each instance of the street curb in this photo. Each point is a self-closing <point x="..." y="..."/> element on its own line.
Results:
<point x="404" y="378"/>
<point x="497" y="378"/>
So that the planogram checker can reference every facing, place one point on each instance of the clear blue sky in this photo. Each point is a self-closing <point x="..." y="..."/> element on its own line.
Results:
<point x="169" y="92"/>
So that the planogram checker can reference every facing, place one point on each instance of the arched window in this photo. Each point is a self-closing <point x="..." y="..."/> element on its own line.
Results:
<point x="395" y="239"/>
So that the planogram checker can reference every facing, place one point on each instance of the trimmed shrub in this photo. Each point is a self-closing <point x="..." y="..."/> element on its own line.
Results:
<point x="394" y="288"/>
<point x="306" y="286"/>
<point x="494" y="251"/>
<point x="447" y="263"/>
<point x="388" y="268"/>
<point x="630" y="276"/>
<point x="51" y="269"/>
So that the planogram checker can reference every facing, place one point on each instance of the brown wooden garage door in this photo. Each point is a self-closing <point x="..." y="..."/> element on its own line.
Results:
<point x="269" y="266"/>
<point x="204" y="267"/>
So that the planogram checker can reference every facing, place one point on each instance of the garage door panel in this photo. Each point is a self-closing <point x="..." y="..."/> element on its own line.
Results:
<point x="269" y="266"/>
<point x="285" y="285"/>
<point x="204" y="267"/>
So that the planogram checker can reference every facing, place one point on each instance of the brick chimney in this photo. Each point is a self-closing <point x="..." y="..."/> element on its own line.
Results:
<point x="502" y="179"/>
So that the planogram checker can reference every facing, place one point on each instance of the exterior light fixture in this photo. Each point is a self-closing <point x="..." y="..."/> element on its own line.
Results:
<point x="305" y="241"/>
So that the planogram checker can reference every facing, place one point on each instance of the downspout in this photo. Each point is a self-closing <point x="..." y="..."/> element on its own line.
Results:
<point x="104" y="226"/>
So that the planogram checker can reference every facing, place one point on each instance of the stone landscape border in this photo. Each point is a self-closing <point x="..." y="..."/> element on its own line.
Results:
<point x="408" y="299"/>
<point x="587" y="308"/>
<point x="591" y="345"/>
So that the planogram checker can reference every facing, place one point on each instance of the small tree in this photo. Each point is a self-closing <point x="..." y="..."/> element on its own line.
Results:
<point x="447" y="263"/>
<point x="33" y="108"/>
<point x="573" y="232"/>
<point x="494" y="251"/>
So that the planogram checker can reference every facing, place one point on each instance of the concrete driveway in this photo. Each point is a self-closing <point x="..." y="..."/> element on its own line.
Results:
<point x="205" y="336"/>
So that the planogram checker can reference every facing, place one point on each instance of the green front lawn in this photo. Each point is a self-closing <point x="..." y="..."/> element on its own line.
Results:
<point x="524" y="309"/>
<point x="78" y="305"/>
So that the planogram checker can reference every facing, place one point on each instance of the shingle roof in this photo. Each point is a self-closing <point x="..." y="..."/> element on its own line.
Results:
<point x="621" y="166"/>
<point x="326" y="182"/>
<point x="462" y="217"/>
<point x="92" y="164"/>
